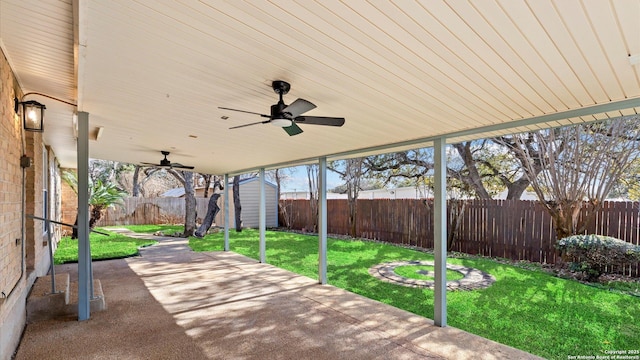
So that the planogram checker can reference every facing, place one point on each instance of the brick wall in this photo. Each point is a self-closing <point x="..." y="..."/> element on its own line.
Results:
<point x="34" y="199"/>
<point x="69" y="204"/>
<point x="23" y="256"/>
<point x="10" y="184"/>
<point x="55" y="192"/>
<point x="12" y="284"/>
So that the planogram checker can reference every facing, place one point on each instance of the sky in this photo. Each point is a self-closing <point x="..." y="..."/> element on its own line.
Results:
<point x="297" y="181"/>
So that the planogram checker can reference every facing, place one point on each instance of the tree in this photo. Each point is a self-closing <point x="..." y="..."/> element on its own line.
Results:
<point x="312" y="180"/>
<point x="138" y="185"/>
<point x="481" y="168"/>
<point x="207" y="183"/>
<point x="212" y="211"/>
<point x="237" y="208"/>
<point x="190" y="204"/>
<point x="400" y="168"/>
<point x="212" y="208"/>
<point x="109" y="171"/>
<point x="581" y="162"/>
<point x="629" y="185"/>
<point x="417" y="167"/>
<point x="515" y="178"/>
<point x="101" y="197"/>
<point x="186" y="178"/>
<point x="135" y="191"/>
<point x="351" y="171"/>
<point x="484" y="168"/>
<point x="279" y="176"/>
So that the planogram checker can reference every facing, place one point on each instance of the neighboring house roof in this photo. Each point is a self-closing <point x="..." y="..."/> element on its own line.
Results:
<point x="396" y="193"/>
<point x="409" y="192"/>
<point x="177" y="192"/>
<point x="527" y="195"/>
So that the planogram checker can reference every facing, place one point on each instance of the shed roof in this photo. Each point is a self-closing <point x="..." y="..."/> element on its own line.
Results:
<point x="179" y="191"/>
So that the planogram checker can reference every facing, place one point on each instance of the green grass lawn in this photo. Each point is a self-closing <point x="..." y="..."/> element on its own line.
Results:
<point x="526" y="308"/>
<point x="413" y="272"/>
<point x="150" y="229"/>
<point x="114" y="246"/>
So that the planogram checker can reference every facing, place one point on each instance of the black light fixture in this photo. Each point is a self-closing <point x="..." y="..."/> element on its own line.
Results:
<point x="32" y="114"/>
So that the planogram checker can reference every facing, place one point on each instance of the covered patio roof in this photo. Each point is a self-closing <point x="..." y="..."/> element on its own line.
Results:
<point x="152" y="74"/>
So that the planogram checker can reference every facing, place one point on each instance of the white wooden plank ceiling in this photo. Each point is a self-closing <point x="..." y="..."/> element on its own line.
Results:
<point x="153" y="73"/>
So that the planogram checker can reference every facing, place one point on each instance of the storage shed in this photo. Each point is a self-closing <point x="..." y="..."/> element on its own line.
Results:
<point x="249" y="200"/>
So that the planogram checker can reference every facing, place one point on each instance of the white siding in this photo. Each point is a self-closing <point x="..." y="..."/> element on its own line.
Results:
<point x="250" y="202"/>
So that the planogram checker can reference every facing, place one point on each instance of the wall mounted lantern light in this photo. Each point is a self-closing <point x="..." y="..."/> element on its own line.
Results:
<point x="32" y="114"/>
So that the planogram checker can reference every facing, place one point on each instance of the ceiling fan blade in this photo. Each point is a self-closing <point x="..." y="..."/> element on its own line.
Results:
<point x="300" y="106"/>
<point x="165" y="163"/>
<point x="255" y="123"/>
<point x="293" y="129"/>
<point x="320" y="120"/>
<point x="243" y="111"/>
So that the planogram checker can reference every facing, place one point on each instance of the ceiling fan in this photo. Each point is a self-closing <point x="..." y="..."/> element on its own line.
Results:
<point x="165" y="163"/>
<point x="288" y="116"/>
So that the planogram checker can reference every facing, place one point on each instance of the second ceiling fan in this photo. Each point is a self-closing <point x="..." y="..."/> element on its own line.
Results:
<point x="289" y="116"/>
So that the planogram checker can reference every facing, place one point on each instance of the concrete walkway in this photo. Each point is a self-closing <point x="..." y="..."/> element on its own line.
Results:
<point x="172" y="303"/>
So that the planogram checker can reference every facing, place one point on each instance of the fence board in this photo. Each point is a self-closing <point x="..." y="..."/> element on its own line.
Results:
<point x="143" y="211"/>
<point x="512" y="229"/>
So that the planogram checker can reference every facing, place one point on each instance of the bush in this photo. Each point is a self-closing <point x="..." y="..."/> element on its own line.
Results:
<point x="596" y="254"/>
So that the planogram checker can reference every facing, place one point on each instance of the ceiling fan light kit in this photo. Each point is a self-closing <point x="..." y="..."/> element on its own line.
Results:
<point x="281" y="122"/>
<point x="288" y="116"/>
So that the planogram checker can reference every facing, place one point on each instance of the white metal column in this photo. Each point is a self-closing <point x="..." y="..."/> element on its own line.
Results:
<point x="262" y="219"/>
<point x="322" y="221"/>
<point x="84" y="248"/>
<point x="226" y="212"/>
<point x="440" y="232"/>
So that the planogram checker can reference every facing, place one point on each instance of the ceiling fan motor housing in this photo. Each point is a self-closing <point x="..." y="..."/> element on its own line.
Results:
<point x="276" y="110"/>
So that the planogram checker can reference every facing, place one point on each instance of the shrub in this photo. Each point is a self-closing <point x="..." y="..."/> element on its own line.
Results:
<point x="596" y="254"/>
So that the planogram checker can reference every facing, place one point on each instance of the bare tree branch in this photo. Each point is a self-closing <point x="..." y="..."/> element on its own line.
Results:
<point x="580" y="165"/>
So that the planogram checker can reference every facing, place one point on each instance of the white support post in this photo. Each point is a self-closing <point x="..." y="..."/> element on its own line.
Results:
<point x="322" y="221"/>
<point x="440" y="232"/>
<point x="84" y="250"/>
<point x="262" y="219"/>
<point x="226" y="212"/>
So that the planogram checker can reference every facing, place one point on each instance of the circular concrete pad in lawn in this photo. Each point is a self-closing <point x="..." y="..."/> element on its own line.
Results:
<point x="473" y="279"/>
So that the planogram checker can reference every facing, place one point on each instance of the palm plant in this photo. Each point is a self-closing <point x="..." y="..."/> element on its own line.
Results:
<point x="101" y="196"/>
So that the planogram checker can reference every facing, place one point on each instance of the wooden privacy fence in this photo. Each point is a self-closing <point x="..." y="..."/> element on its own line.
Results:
<point x="142" y="211"/>
<point x="512" y="229"/>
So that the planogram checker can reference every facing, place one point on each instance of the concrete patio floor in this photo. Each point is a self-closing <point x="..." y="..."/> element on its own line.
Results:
<point x="172" y="303"/>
